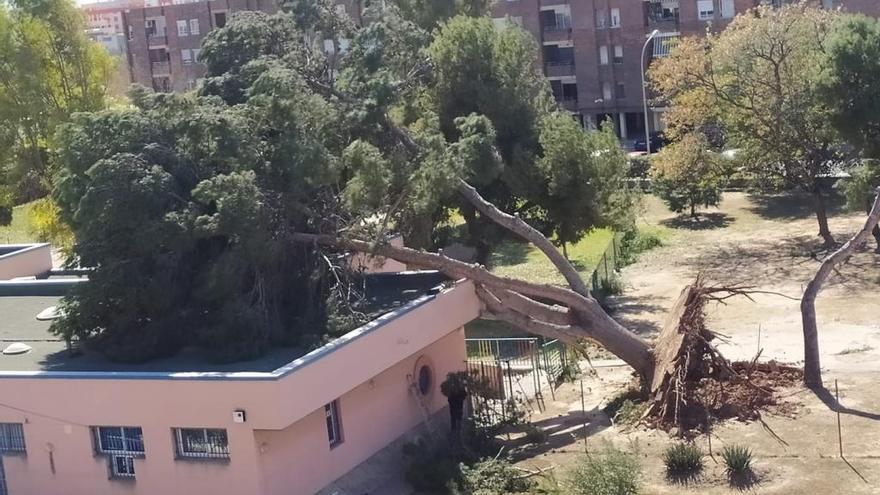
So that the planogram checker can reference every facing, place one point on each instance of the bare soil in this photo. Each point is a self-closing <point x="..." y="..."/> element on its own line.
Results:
<point x="768" y="242"/>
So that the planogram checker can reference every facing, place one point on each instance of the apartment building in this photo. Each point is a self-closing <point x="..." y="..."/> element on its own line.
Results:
<point x="163" y="41"/>
<point x="292" y="422"/>
<point x="592" y="50"/>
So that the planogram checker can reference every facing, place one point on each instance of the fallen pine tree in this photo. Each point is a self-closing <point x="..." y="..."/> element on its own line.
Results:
<point x="683" y="375"/>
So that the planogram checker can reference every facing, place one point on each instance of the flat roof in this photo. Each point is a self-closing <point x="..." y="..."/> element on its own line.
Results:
<point x="384" y="293"/>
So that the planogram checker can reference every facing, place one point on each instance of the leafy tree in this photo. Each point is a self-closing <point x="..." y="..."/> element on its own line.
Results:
<point x="686" y="174"/>
<point x="756" y="80"/>
<point x="586" y="174"/>
<point x="861" y="189"/>
<point x="192" y="208"/>
<point x="49" y="69"/>
<point x="849" y="80"/>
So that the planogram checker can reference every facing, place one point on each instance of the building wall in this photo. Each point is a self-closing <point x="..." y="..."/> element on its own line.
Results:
<point x="372" y="414"/>
<point x="26" y="261"/>
<point x="586" y="38"/>
<point x="58" y="409"/>
<point x="180" y="76"/>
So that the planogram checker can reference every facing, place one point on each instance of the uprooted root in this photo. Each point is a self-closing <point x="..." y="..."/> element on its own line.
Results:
<point x="694" y="383"/>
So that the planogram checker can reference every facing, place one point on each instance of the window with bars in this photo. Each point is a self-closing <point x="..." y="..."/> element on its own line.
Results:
<point x="122" y="466"/>
<point x="12" y="438"/>
<point x="334" y="431"/>
<point x="202" y="443"/>
<point x="194" y="27"/>
<point x="182" y="28"/>
<point x="119" y="440"/>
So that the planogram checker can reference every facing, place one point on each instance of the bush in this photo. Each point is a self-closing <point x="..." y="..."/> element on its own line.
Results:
<point x="737" y="459"/>
<point x="492" y="477"/>
<point x="535" y="435"/>
<point x="683" y="459"/>
<point x="639" y="167"/>
<point x="635" y="242"/>
<point x="609" y="472"/>
<point x="626" y="407"/>
<point x="430" y="468"/>
<point x="611" y="285"/>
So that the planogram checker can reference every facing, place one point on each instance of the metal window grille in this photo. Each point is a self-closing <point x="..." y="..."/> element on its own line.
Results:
<point x="3" y="490"/>
<point x="664" y="43"/>
<point x="12" y="438"/>
<point x="122" y="466"/>
<point x="202" y="443"/>
<point x="331" y="412"/>
<point x="120" y="440"/>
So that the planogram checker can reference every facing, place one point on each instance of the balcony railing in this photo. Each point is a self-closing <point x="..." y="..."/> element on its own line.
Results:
<point x="160" y="68"/>
<point x="556" y="32"/>
<point x="556" y="68"/>
<point x="157" y="40"/>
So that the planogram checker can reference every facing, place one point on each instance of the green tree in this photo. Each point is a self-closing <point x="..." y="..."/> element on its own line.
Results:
<point x="757" y="80"/>
<point x="49" y="69"/>
<point x="204" y="199"/>
<point x="686" y="174"/>
<point x="849" y="79"/>
<point x="586" y="179"/>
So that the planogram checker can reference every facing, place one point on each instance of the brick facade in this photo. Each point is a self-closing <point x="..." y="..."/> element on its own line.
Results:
<point x="164" y="57"/>
<point x="597" y="45"/>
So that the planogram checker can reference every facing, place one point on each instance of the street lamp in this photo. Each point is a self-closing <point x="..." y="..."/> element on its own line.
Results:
<point x="645" y="92"/>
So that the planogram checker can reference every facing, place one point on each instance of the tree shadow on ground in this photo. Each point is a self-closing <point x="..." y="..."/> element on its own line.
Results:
<point x="827" y="398"/>
<point x="792" y="205"/>
<point x="625" y="309"/>
<point x="509" y="253"/>
<point x="759" y="262"/>
<point x="744" y="481"/>
<point x="562" y="431"/>
<point x="704" y="221"/>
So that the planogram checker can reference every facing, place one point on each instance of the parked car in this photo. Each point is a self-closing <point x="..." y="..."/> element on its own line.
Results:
<point x="658" y="140"/>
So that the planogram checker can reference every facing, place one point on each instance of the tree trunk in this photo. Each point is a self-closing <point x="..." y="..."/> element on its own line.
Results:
<point x="590" y="320"/>
<point x="876" y="233"/>
<point x="519" y="227"/>
<point x="822" y="218"/>
<point x="812" y="370"/>
<point x="564" y="250"/>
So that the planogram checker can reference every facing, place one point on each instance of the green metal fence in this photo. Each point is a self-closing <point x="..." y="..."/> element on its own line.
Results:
<point x="608" y="263"/>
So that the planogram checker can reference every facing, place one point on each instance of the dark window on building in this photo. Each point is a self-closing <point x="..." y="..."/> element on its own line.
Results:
<point x="425" y="380"/>
<point x="334" y="429"/>
<point x="621" y="91"/>
<point x="570" y="92"/>
<point x="12" y="438"/>
<point x="556" y="54"/>
<point x="220" y="19"/>
<point x="202" y="443"/>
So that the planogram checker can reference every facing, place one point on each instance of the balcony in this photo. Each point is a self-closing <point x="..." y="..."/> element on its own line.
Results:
<point x="156" y="38"/>
<point x="559" y="68"/>
<point x="662" y="15"/>
<point x="556" y="32"/>
<point x="161" y="68"/>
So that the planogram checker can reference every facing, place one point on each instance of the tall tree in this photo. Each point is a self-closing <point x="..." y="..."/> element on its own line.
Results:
<point x="757" y="80"/>
<point x="49" y="69"/>
<point x="686" y="174"/>
<point x="214" y="202"/>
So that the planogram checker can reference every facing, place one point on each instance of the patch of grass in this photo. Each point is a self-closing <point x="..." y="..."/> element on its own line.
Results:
<point x="855" y="350"/>
<point x="637" y="241"/>
<point x="626" y="407"/>
<point x="19" y="231"/>
<point x="611" y="285"/>
<point x="611" y="471"/>
<point x="737" y="460"/>
<point x="683" y="460"/>
<point x="487" y="329"/>
<point x="523" y="261"/>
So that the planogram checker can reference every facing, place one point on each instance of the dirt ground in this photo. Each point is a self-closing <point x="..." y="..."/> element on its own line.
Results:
<point x="764" y="241"/>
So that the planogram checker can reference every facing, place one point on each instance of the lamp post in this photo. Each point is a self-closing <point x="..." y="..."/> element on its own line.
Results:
<point x="645" y="91"/>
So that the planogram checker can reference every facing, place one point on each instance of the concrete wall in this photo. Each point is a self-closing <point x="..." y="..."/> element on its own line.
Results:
<point x="24" y="260"/>
<point x="299" y="460"/>
<point x="57" y="409"/>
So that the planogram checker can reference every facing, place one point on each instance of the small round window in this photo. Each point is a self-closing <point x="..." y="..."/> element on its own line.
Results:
<point x="425" y="380"/>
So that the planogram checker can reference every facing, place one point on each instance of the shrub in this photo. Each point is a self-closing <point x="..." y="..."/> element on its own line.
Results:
<point x="430" y="468"/>
<point x="737" y="459"/>
<point x="492" y="477"/>
<point x="626" y="407"/>
<point x="683" y="459"/>
<point x="609" y="472"/>
<point x="635" y="242"/>
<point x="535" y="435"/>
<point x="611" y="285"/>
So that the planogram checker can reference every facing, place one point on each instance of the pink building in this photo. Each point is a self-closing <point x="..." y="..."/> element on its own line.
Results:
<point x="289" y="423"/>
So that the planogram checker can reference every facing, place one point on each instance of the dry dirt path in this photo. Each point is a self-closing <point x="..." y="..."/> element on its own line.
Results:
<point x="763" y="242"/>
